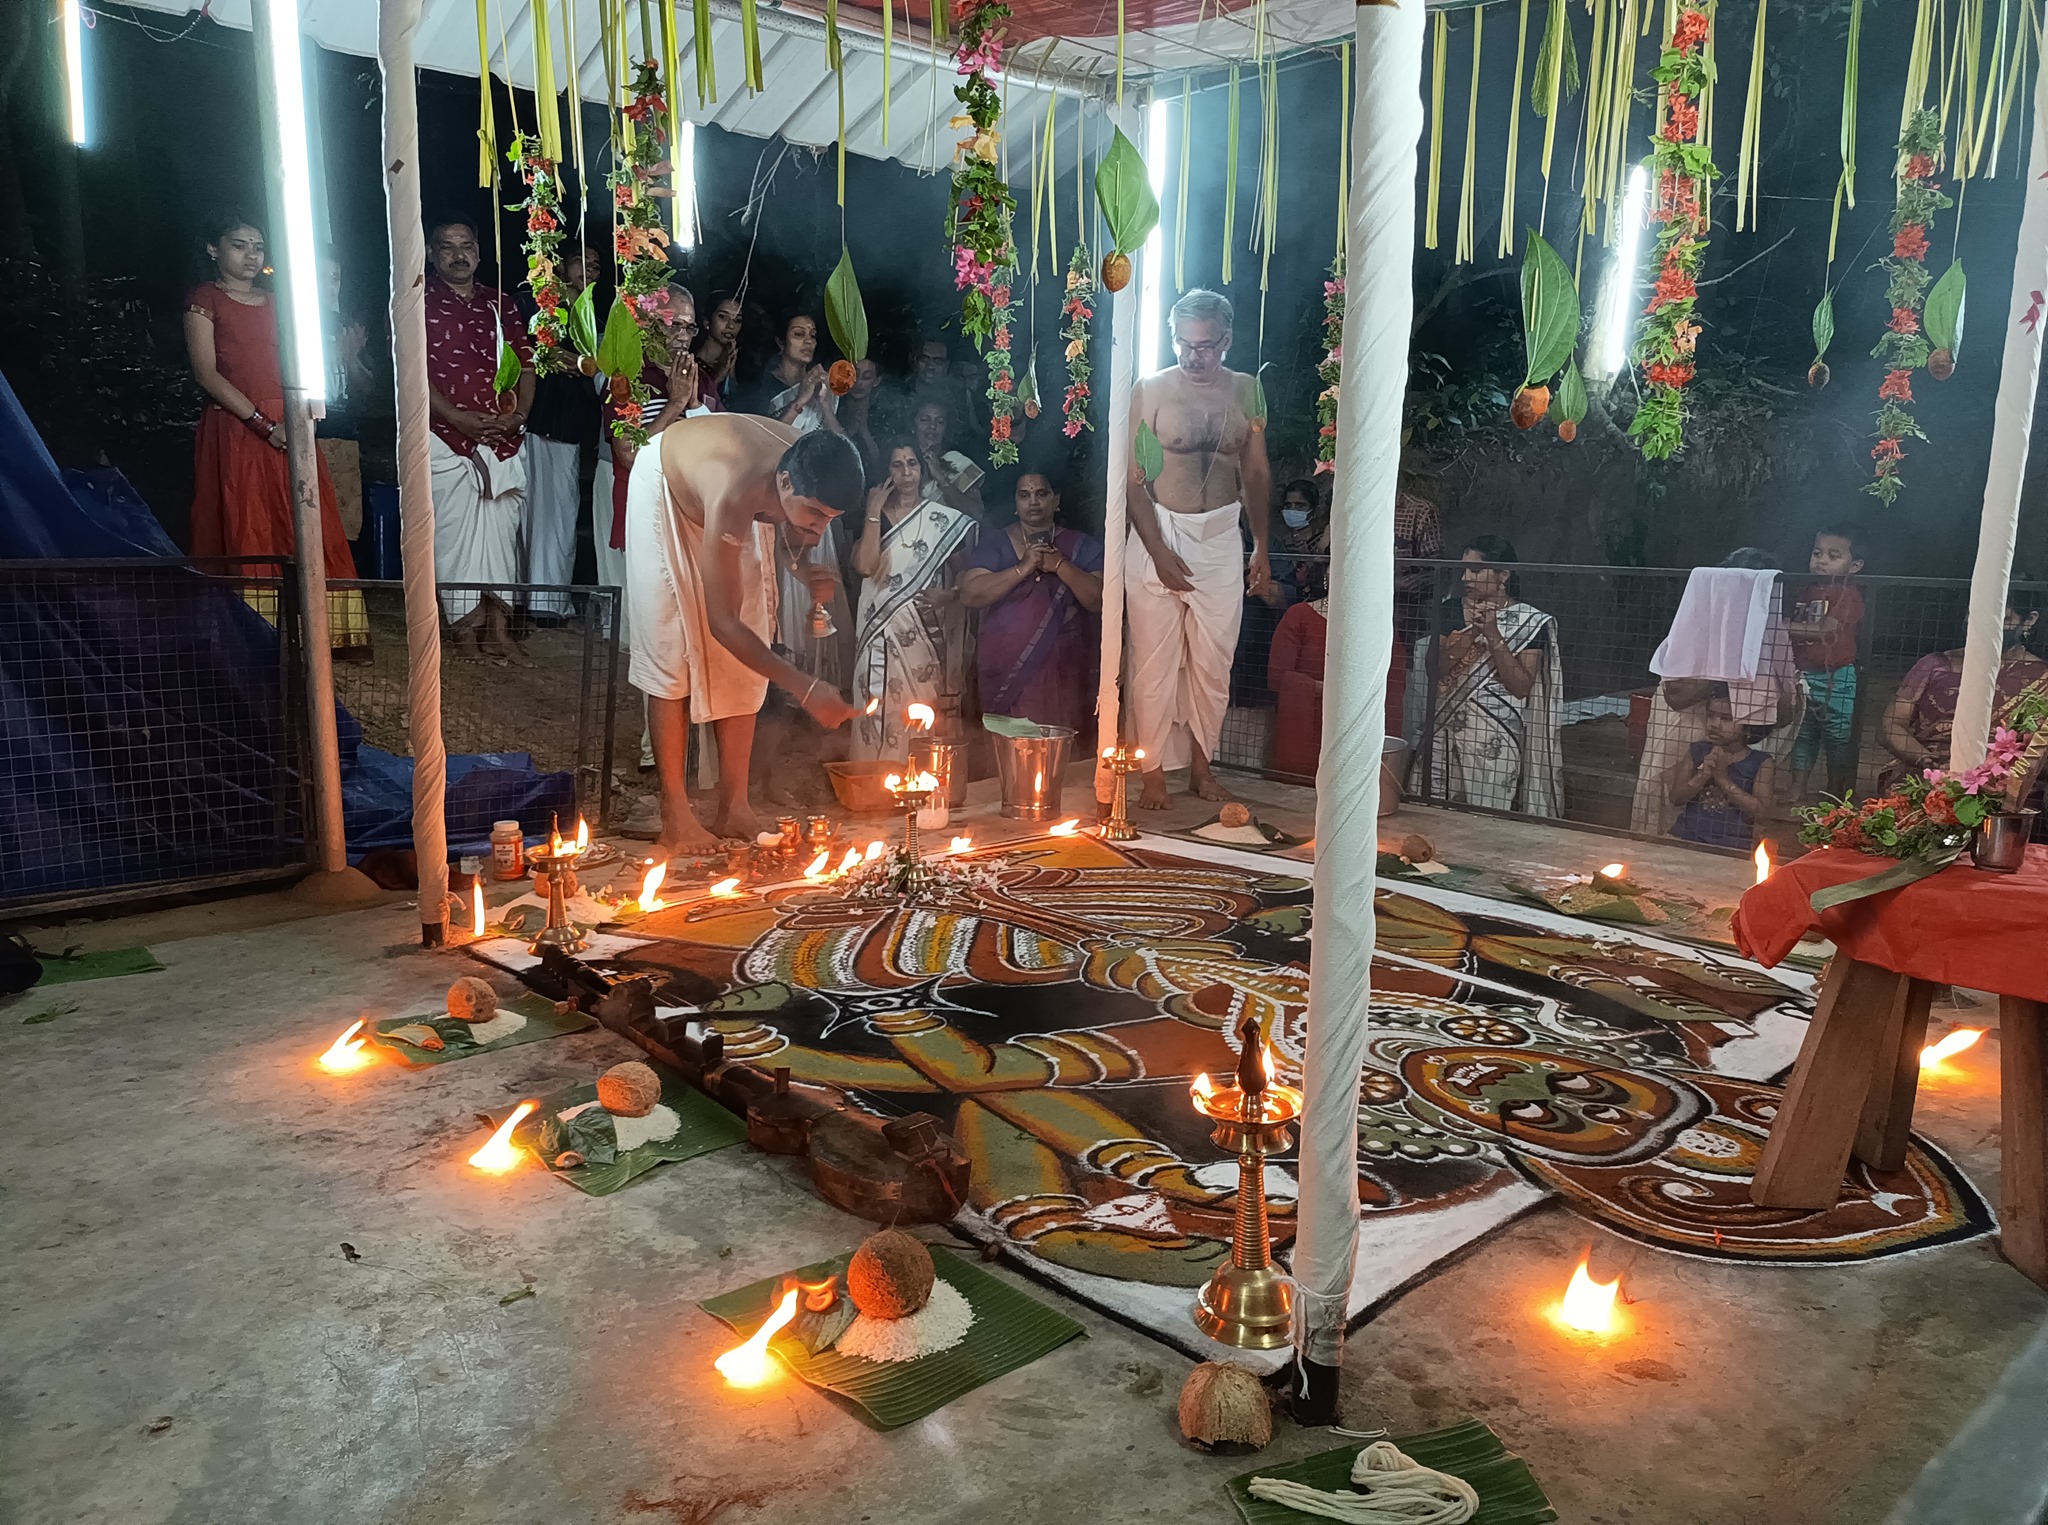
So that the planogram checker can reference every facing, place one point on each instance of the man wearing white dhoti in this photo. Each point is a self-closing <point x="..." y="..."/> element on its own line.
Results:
<point x="1187" y="572"/>
<point x="716" y="504"/>
<point x="479" y="474"/>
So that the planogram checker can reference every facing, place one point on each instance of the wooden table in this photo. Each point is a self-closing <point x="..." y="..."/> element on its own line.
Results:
<point x="1853" y="1085"/>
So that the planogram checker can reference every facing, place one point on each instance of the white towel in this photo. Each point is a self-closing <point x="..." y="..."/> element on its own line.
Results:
<point x="1718" y="631"/>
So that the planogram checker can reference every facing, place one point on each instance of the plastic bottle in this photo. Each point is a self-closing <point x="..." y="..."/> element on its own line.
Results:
<point x="508" y="850"/>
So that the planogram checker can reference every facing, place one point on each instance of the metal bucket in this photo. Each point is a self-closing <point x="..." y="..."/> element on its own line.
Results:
<point x="946" y="760"/>
<point x="1393" y="768"/>
<point x="1030" y="768"/>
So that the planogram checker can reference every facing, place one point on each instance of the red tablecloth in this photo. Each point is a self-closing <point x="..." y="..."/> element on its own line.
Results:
<point x="1962" y="926"/>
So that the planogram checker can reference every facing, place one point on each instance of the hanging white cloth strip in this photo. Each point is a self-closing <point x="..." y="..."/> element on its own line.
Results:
<point x="1379" y="305"/>
<point x="2012" y="422"/>
<point x="397" y="21"/>
<point x="1123" y="354"/>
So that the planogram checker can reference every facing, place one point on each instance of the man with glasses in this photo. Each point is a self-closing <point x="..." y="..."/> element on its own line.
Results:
<point x="1188" y="571"/>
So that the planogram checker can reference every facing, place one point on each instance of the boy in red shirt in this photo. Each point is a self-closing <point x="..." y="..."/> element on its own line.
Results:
<point x="1826" y="610"/>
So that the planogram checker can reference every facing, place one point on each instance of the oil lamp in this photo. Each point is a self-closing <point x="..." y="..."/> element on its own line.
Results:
<point x="1249" y="1303"/>
<point x="556" y="863"/>
<point x="1122" y="762"/>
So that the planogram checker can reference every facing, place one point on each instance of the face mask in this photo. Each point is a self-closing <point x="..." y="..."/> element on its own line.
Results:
<point x="1294" y="518"/>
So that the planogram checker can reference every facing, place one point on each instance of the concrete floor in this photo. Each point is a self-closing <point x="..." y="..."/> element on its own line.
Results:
<point x="185" y="1340"/>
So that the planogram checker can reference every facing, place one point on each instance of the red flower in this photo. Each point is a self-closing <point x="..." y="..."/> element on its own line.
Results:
<point x="1000" y="296"/>
<point x="1001" y="338"/>
<point x="1683" y="124"/>
<point x="1920" y="166"/>
<point x="1904" y="321"/>
<point x="1939" y="807"/>
<point x="1673" y="285"/>
<point x="1000" y="429"/>
<point x="547" y="298"/>
<point x="1004" y="384"/>
<point x="540" y="220"/>
<point x="1887" y="450"/>
<point x="1910" y="242"/>
<point x="1690" y="32"/>
<point x="1898" y="387"/>
<point x="1663" y="375"/>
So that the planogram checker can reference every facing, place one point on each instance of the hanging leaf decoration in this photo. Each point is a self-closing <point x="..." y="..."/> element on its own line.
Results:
<point x="620" y="352"/>
<point x="508" y="368"/>
<point x="1124" y="192"/>
<point x="845" y="315"/>
<point x="1823" y="336"/>
<point x="583" y="321"/>
<point x="1550" y="310"/>
<point x="1027" y="387"/>
<point x="1149" y="453"/>
<point x="1943" y="320"/>
<point x="1571" y="398"/>
<point x="1255" y="410"/>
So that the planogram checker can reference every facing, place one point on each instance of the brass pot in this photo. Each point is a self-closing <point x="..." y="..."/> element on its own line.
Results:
<point x="2000" y="844"/>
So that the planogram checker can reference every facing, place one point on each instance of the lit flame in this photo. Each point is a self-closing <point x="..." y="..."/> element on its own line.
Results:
<point x="554" y="842"/>
<point x="476" y="905"/>
<point x="1203" y="1086"/>
<point x="1266" y="1063"/>
<point x="1065" y="828"/>
<point x="1109" y="751"/>
<point x="875" y="850"/>
<point x="582" y="834"/>
<point x="922" y="715"/>
<point x="649" y="900"/>
<point x="851" y="861"/>
<point x="1038" y="783"/>
<point x="747" y="1365"/>
<point x="818" y="866"/>
<point x="1962" y="1038"/>
<point x="1614" y="871"/>
<point x="498" y="1155"/>
<point x="1139" y="754"/>
<point x="726" y="887"/>
<point x="346" y="1052"/>
<point x="1763" y="861"/>
<point x="873" y="705"/>
<point x="961" y="845"/>
<point x="1588" y="1305"/>
<point x="893" y="782"/>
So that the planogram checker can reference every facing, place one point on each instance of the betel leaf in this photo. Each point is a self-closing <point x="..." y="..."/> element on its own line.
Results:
<point x="583" y="321"/>
<point x="1255" y="409"/>
<point x="1943" y="315"/>
<point x="845" y="315"/>
<point x="1027" y="384"/>
<point x="1149" y="453"/>
<point x="508" y="368"/>
<point x="1823" y="325"/>
<point x="1124" y="192"/>
<point x="620" y="352"/>
<point x="1550" y="310"/>
<point x="1569" y="407"/>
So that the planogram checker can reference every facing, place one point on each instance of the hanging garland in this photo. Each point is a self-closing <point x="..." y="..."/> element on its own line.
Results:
<point x="544" y="233"/>
<point x="632" y="332"/>
<point x="1002" y="381"/>
<point x="1076" y="310"/>
<point x="1904" y="348"/>
<point x="1684" y="169"/>
<point x="1331" y="368"/>
<point x="983" y="251"/>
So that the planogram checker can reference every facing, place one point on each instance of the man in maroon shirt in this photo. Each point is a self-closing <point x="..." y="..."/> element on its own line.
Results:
<point x="479" y="475"/>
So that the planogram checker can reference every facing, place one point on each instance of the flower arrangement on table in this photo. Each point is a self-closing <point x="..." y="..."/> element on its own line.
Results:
<point x="983" y="249"/>
<point x="1904" y="348"/>
<point x="1330" y="369"/>
<point x="1077" y="311"/>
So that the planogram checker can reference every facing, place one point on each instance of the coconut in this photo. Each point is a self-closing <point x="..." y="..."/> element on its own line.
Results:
<point x="841" y="377"/>
<point x="1417" y="848"/>
<point x="1234" y="814"/>
<point x="1817" y="374"/>
<point x="890" y="1275"/>
<point x="628" y="1090"/>
<point x="1528" y="406"/>
<point x="1941" y="364"/>
<point x="1567" y="430"/>
<point x="1116" y="270"/>
<point x="1222" y="1403"/>
<point x="472" y="1000"/>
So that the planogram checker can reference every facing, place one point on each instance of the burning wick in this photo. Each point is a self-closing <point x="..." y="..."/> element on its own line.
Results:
<point x="1588" y="1305"/>
<point x="582" y="834"/>
<point x="1614" y="871"/>
<point x="346" y="1052"/>
<point x="1763" y="861"/>
<point x="1038" y="783"/>
<point x="747" y="1365"/>
<point x="1203" y="1086"/>
<point x="875" y="850"/>
<point x="921" y="715"/>
<point x="1962" y="1038"/>
<point x="1065" y="828"/>
<point x="873" y="705"/>
<point x="649" y="900"/>
<point x="819" y="866"/>
<point x="851" y="861"/>
<point x="476" y="905"/>
<point x="498" y="1155"/>
<point x="725" y="887"/>
<point x="961" y="845"/>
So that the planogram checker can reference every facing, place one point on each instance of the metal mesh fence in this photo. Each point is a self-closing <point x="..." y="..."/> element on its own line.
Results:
<point x="1857" y="683"/>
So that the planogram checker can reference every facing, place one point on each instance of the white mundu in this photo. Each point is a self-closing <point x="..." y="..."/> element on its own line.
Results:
<point x="478" y="500"/>
<point x="1181" y="644"/>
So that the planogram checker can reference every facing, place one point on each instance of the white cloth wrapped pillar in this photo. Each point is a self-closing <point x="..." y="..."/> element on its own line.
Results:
<point x="397" y="20"/>
<point x="1123" y="355"/>
<point x="2012" y="422"/>
<point x="1379" y="305"/>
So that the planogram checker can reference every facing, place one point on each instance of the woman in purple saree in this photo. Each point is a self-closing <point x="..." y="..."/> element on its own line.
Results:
<point x="1039" y="590"/>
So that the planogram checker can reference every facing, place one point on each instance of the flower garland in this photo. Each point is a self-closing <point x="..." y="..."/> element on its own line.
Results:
<point x="1904" y="348"/>
<point x="1078" y="312"/>
<point x="544" y="232"/>
<point x="1685" y="171"/>
<point x="640" y="241"/>
<point x="984" y="253"/>
<point x="1330" y="369"/>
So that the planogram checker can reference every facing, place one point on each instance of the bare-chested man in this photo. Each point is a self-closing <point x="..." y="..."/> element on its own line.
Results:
<point x="712" y="506"/>
<point x="1187" y="571"/>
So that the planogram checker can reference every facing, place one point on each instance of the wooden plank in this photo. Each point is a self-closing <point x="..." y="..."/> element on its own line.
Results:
<point x="1816" y="1124"/>
<point x="2023" y="1120"/>
<point x="1886" y="1127"/>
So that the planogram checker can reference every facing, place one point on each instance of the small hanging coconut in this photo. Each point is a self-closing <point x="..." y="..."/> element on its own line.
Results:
<point x="1116" y="270"/>
<point x="890" y="1275"/>
<point x="1528" y="406"/>
<point x="841" y="377"/>
<point x="472" y="1000"/>
<point x="1224" y="1403"/>
<point x="1817" y="374"/>
<point x="628" y="1090"/>
<point x="1567" y="430"/>
<point x="1941" y="364"/>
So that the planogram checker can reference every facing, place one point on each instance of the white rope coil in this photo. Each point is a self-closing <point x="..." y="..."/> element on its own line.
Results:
<point x="1398" y="1490"/>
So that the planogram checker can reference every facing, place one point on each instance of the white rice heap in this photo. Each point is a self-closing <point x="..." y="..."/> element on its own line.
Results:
<point x="503" y="1025"/>
<point x="657" y="1125"/>
<point x="1247" y="835"/>
<point x="940" y="1325"/>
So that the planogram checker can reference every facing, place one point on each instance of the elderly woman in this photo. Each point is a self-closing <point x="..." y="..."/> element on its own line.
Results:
<point x="242" y="493"/>
<point x="1920" y="721"/>
<point x="1492" y="739"/>
<point x="1039" y="589"/>
<point x="910" y="635"/>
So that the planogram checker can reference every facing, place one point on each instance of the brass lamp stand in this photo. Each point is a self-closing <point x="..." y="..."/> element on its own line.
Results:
<point x="1122" y="763"/>
<point x="1249" y="1303"/>
<point x="557" y="864"/>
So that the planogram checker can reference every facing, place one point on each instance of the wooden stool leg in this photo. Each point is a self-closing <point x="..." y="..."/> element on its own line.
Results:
<point x="2023" y="1167"/>
<point x="1816" y="1125"/>
<point x="1887" y="1125"/>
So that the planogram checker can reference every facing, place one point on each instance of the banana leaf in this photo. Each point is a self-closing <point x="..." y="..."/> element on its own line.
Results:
<point x="845" y="315"/>
<point x="1902" y="873"/>
<point x="1550" y="310"/>
<point x="1124" y="192"/>
<point x="1151" y="455"/>
<point x="621" y="352"/>
<point x="542" y="1022"/>
<point x="583" y="322"/>
<point x="706" y="1126"/>
<point x="508" y="368"/>
<point x="1508" y="1492"/>
<point x="1943" y="315"/>
<point x="1570" y="405"/>
<point x="1823" y="326"/>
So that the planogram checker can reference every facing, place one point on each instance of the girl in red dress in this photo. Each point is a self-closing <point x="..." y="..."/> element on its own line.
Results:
<point x="242" y="501"/>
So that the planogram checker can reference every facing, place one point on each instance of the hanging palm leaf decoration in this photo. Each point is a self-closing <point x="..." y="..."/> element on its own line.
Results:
<point x="1550" y="328"/>
<point x="846" y="317"/>
<point x="1943" y="320"/>
<point x="1823" y="335"/>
